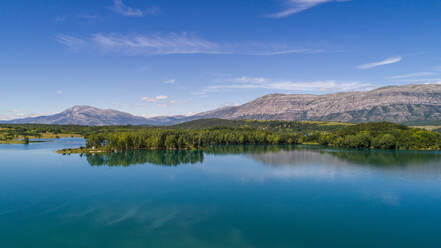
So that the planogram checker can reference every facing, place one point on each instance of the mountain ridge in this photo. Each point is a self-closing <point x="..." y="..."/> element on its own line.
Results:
<point x="408" y="103"/>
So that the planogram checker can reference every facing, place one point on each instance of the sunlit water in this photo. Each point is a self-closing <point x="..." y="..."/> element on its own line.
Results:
<point x="236" y="196"/>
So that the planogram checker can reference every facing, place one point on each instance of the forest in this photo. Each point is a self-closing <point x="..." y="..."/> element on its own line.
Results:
<point x="203" y="134"/>
<point x="383" y="135"/>
<point x="181" y="139"/>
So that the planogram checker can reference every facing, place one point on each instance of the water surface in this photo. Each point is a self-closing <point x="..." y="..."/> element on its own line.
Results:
<point x="230" y="196"/>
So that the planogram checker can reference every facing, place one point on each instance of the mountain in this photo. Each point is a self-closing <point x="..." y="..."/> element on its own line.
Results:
<point x="86" y="115"/>
<point x="403" y="104"/>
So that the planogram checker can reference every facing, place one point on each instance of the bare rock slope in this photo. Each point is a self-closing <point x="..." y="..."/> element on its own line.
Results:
<point x="403" y="104"/>
<point x="410" y="103"/>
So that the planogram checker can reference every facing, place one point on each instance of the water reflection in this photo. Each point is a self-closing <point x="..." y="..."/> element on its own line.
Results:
<point x="273" y="156"/>
<point x="157" y="157"/>
<point x="387" y="158"/>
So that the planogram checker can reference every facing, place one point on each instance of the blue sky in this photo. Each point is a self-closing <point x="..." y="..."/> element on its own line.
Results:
<point x="167" y="57"/>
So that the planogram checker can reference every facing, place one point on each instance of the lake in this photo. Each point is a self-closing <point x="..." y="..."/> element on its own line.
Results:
<point x="226" y="196"/>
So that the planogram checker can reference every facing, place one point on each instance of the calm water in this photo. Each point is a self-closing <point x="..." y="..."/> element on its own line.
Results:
<point x="237" y="196"/>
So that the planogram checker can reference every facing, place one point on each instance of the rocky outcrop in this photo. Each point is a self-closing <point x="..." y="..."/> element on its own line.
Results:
<point x="410" y="103"/>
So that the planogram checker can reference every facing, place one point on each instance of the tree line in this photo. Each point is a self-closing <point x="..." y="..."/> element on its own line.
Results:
<point x="381" y="135"/>
<point x="187" y="139"/>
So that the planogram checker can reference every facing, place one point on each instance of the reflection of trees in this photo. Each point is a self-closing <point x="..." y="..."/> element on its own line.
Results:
<point x="158" y="157"/>
<point x="386" y="158"/>
<point x="271" y="155"/>
<point x="303" y="154"/>
<point x="247" y="149"/>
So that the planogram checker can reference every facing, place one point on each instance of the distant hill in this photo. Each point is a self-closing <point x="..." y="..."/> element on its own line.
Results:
<point x="410" y="104"/>
<point x="86" y="115"/>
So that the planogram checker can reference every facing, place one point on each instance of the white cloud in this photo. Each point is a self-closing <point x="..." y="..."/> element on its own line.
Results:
<point x="387" y="61"/>
<point x="434" y="81"/>
<point x="154" y="99"/>
<point x="170" y="81"/>
<point x="59" y="92"/>
<point x="325" y="86"/>
<point x="120" y="8"/>
<point x="155" y="44"/>
<point x="160" y="101"/>
<point x="161" y="97"/>
<point x="413" y="75"/>
<point x="70" y="41"/>
<point x="297" y="6"/>
<point x="284" y="52"/>
<point x="174" y="43"/>
<point x="416" y="80"/>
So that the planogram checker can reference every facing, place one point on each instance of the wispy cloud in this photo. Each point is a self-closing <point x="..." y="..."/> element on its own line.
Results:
<point x="122" y="9"/>
<point x="170" y="81"/>
<point x="174" y="43"/>
<point x="154" y="10"/>
<point x="70" y="41"/>
<point x="284" y="52"/>
<point x="155" y="44"/>
<point x="154" y="99"/>
<point x="431" y="80"/>
<point x="437" y="68"/>
<point x="413" y="75"/>
<point x="89" y="17"/>
<point x="297" y="6"/>
<point x="325" y="86"/>
<point x="387" y="61"/>
<point x="160" y="101"/>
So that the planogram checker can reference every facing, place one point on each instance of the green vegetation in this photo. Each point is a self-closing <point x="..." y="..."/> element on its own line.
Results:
<point x="181" y="139"/>
<point x="430" y="128"/>
<point x="203" y="134"/>
<point x="383" y="135"/>
<point x="273" y="126"/>
<point x="16" y="133"/>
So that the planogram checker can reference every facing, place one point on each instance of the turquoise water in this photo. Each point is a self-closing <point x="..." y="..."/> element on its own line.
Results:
<point x="237" y="196"/>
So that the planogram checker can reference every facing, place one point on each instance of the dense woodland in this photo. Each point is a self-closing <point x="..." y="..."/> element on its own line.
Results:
<point x="203" y="134"/>
<point x="368" y="135"/>
<point x="189" y="139"/>
<point x="14" y="132"/>
<point x="383" y="135"/>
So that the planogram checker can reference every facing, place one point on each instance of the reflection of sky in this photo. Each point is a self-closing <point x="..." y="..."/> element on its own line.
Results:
<point x="323" y="165"/>
<point x="232" y="200"/>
